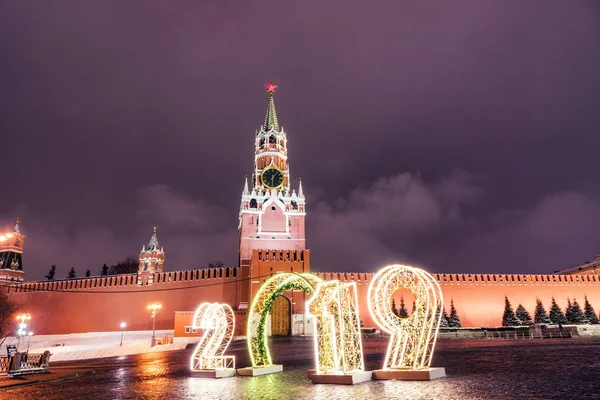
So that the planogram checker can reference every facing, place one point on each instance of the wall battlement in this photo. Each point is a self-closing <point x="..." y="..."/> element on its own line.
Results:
<point x="125" y="280"/>
<point x="522" y="279"/>
<point x="113" y="282"/>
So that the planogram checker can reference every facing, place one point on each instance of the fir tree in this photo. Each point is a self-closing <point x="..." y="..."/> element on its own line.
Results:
<point x="577" y="317"/>
<point x="402" y="313"/>
<point x="413" y="309"/>
<point x="444" y="319"/>
<point x="453" y="320"/>
<point x="72" y="274"/>
<point x="556" y="314"/>
<point x="541" y="317"/>
<point x="523" y="316"/>
<point x="509" y="318"/>
<point x="569" y="312"/>
<point x="88" y="273"/>
<point x="590" y="314"/>
<point x="104" y="270"/>
<point x="51" y="273"/>
<point x="394" y="309"/>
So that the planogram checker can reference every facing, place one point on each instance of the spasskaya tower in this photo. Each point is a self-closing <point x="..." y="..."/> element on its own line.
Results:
<point x="271" y="212"/>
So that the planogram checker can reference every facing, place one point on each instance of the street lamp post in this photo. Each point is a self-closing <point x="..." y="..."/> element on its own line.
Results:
<point x="123" y="325"/>
<point x="30" y="334"/>
<point x="21" y="331"/>
<point x="154" y="307"/>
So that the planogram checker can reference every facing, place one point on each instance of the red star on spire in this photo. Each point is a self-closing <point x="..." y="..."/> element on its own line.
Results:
<point x="271" y="87"/>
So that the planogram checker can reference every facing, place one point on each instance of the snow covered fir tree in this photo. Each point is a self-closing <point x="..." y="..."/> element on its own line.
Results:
<point x="556" y="314"/>
<point x="574" y="314"/>
<point x="443" y="319"/>
<point x="590" y="314"/>
<point x="453" y="319"/>
<point x="394" y="309"/>
<point x="509" y="318"/>
<point x="540" y="314"/>
<point x="523" y="316"/>
<point x="402" y="312"/>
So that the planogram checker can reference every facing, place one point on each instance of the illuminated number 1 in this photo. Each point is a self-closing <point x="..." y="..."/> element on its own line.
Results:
<point x="218" y="323"/>
<point x="338" y="346"/>
<point x="413" y="338"/>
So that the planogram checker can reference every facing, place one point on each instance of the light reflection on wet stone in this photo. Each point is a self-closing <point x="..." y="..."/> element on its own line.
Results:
<point x="551" y="369"/>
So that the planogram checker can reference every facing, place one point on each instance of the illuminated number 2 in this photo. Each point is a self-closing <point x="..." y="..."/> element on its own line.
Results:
<point x="338" y="347"/>
<point x="413" y="338"/>
<point x="218" y="323"/>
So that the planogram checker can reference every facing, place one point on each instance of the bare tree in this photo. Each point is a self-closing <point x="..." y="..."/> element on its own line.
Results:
<point x="7" y="317"/>
<point x="128" y="266"/>
<point x="216" y="264"/>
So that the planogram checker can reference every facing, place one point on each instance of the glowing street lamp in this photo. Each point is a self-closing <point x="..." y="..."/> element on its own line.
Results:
<point x="154" y="307"/>
<point x="22" y="326"/>
<point x="123" y="325"/>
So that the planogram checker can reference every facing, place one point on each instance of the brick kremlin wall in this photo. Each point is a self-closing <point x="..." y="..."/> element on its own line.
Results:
<point x="100" y="304"/>
<point x="479" y="298"/>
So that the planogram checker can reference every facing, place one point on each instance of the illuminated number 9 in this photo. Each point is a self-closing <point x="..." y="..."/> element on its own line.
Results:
<point x="338" y="347"/>
<point x="413" y="338"/>
<point x="218" y="323"/>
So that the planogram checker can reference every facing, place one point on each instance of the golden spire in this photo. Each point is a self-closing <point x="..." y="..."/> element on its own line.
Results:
<point x="271" y="118"/>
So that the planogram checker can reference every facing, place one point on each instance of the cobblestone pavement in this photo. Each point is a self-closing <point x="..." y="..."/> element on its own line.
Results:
<point x="525" y="369"/>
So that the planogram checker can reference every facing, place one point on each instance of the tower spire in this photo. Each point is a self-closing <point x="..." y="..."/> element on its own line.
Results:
<point x="300" y="191"/>
<point x="153" y="244"/>
<point x="271" y="117"/>
<point x="16" y="228"/>
<point x="245" y="192"/>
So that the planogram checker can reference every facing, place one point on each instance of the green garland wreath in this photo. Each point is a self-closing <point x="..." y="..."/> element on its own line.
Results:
<point x="261" y="358"/>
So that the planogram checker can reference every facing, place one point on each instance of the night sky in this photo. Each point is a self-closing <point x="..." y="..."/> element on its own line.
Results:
<point x="459" y="136"/>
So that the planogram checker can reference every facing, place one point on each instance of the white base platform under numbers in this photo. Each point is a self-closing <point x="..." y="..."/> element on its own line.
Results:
<point x="340" y="379"/>
<point x="256" y="371"/>
<point x="425" y="374"/>
<point x="213" y="373"/>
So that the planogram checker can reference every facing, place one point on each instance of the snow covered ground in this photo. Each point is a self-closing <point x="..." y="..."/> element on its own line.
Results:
<point x="80" y="346"/>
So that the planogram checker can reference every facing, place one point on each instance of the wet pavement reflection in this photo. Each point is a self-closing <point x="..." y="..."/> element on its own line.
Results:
<point x="525" y="369"/>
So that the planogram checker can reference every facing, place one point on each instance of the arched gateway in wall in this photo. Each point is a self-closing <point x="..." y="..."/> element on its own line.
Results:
<point x="281" y="317"/>
<point x="263" y="304"/>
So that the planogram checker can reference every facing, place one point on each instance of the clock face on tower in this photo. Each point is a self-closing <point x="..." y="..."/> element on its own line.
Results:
<point x="272" y="177"/>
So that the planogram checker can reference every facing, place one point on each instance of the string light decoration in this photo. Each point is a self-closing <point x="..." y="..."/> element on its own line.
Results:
<point x="413" y="339"/>
<point x="262" y="306"/>
<point x="338" y="344"/>
<point x="218" y="322"/>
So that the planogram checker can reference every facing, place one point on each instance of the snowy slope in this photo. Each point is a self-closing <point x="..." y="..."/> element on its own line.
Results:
<point x="80" y="346"/>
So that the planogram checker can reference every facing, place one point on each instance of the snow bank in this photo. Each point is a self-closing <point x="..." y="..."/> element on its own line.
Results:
<point x="81" y="346"/>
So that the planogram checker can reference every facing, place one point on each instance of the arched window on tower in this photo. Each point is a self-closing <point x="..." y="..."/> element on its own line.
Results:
<point x="272" y="139"/>
<point x="273" y="209"/>
<point x="253" y="203"/>
<point x="294" y="205"/>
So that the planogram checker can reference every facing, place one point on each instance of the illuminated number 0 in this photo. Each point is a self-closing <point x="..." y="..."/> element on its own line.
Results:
<point x="217" y="321"/>
<point x="338" y="346"/>
<point x="413" y="338"/>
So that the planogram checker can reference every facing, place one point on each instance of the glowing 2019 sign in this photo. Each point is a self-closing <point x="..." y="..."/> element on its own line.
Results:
<point x="218" y="322"/>
<point x="338" y="342"/>
<point x="413" y="339"/>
